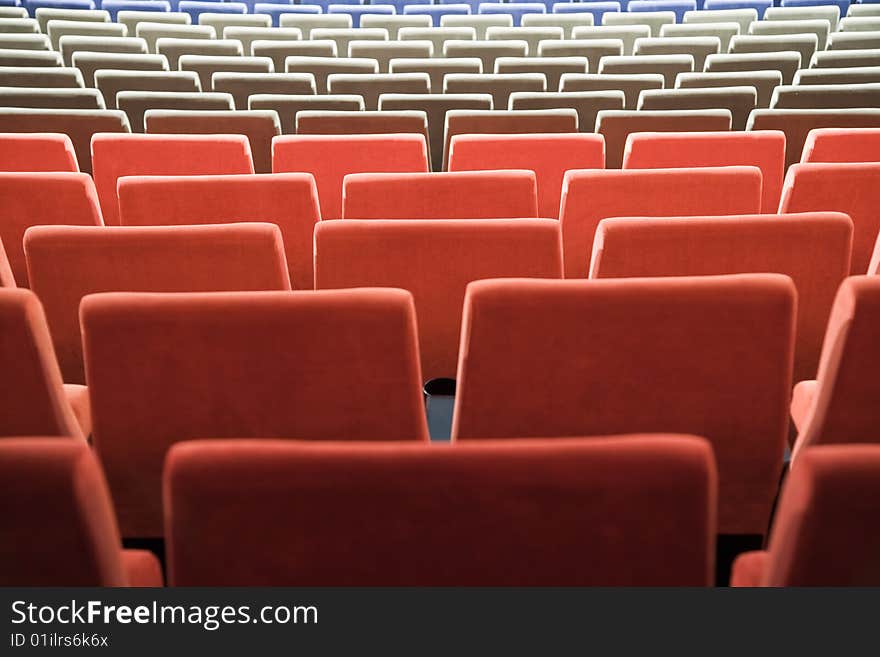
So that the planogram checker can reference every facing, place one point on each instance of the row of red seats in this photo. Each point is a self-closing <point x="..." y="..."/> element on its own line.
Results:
<point x="708" y="356"/>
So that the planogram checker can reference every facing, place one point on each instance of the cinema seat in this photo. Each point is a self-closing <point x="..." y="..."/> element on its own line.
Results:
<point x="385" y="51"/>
<point x="463" y="122"/>
<point x="62" y="77"/>
<point x="34" y="400"/>
<point x="838" y="187"/>
<point x="764" y="82"/>
<point x="592" y="49"/>
<point x="437" y="68"/>
<point x="343" y="36"/>
<point x="259" y="126"/>
<point x="366" y="122"/>
<point x="627" y="34"/>
<point x="135" y="104"/>
<point x="819" y="96"/>
<point x="37" y="151"/>
<point x="698" y="47"/>
<point x="837" y="406"/>
<point x="289" y="200"/>
<point x="552" y="68"/>
<point x="279" y="50"/>
<point x="243" y="85"/>
<point x="588" y="196"/>
<point x="819" y="27"/>
<point x="71" y="45"/>
<point x="307" y="22"/>
<point x="740" y="101"/>
<point x="764" y="149"/>
<point x="724" y="31"/>
<point x="566" y="21"/>
<point x="133" y="18"/>
<point x="811" y="248"/>
<point x="486" y="51"/>
<point x="836" y="76"/>
<point x="797" y="124"/>
<point x="370" y="86"/>
<point x="805" y="44"/>
<point x="828" y="507"/>
<point x="744" y="16"/>
<point x="45" y="198"/>
<point x="638" y="355"/>
<point x="56" y="29"/>
<point x="617" y="125"/>
<point x="114" y="156"/>
<point x="19" y="57"/>
<point x="479" y="23"/>
<point x="144" y="259"/>
<point x="289" y="105"/>
<point x="6" y="277"/>
<point x="111" y="81"/>
<point x="248" y="35"/>
<point x="207" y="65"/>
<point x="152" y="32"/>
<point x="54" y="98"/>
<point x="502" y="499"/>
<point x="323" y="67"/>
<point x="280" y="364"/>
<point x="175" y="49"/>
<point x="329" y="158"/>
<point x="668" y="66"/>
<point x="90" y="63"/>
<point x="549" y="156"/>
<point x="587" y="104"/>
<point x="842" y="145"/>
<point x="405" y="254"/>
<point x="845" y="58"/>
<point x="57" y="483"/>
<point x="435" y="107"/>
<point x="786" y="62"/>
<point x="631" y="85"/>
<point x="221" y="21"/>
<point x="509" y="194"/>
<point x="499" y="86"/>
<point x="395" y="23"/>
<point x="437" y="36"/>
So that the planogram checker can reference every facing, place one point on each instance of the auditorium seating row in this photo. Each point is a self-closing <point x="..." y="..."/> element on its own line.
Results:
<point x="241" y="373"/>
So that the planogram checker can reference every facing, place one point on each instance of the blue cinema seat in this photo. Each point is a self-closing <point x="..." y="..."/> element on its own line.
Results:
<point x="437" y="11"/>
<point x="515" y="9"/>
<point x="678" y="7"/>
<point x="356" y="11"/>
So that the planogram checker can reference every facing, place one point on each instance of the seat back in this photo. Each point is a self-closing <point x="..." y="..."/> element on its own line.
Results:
<point x="563" y="358"/>
<point x="33" y="399"/>
<point x="370" y="86"/>
<point x="840" y="187"/>
<point x="90" y="63"/>
<point x="508" y="194"/>
<point x="137" y="103"/>
<point x="841" y="410"/>
<point x="764" y="149"/>
<point x="37" y="151"/>
<point x="588" y="196"/>
<point x="288" y="106"/>
<point x="144" y="259"/>
<point x="338" y="365"/>
<point x="631" y="84"/>
<point x="500" y="502"/>
<point x="111" y="81"/>
<point x="243" y="85"/>
<point x="57" y="483"/>
<point x="115" y="156"/>
<point x="813" y="249"/>
<point x="842" y="145"/>
<point x="740" y="101"/>
<point x="329" y="158"/>
<point x="764" y="82"/>
<point x="405" y="254"/>
<point x="549" y="156"/>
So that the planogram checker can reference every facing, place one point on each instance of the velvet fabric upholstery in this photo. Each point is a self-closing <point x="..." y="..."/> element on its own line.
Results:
<point x="437" y="69"/>
<point x="259" y="126"/>
<point x="797" y="124"/>
<point x="207" y="65"/>
<point x="33" y="399"/>
<point x="587" y="104"/>
<point x="135" y="104"/>
<point x="764" y="149"/>
<point x="588" y="196"/>
<point x="486" y="51"/>
<point x="56" y="484"/>
<point x="802" y="398"/>
<point x="435" y="106"/>
<point x="498" y="121"/>
<point x="111" y="82"/>
<point x="78" y="125"/>
<point x="486" y="513"/>
<point x="115" y="156"/>
<point x="289" y="200"/>
<point x="787" y="63"/>
<point x="509" y="194"/>
<point x="72" y="44"/>
<point x="7" y="279"/>
<point x="242" y="85"/>
<point x="617" y="126"/>
<point x="370" y="86"/>
<point x="668" y="66"/>
<point x="816" y="96"/>
<point x="338" y="365"/>
<point x="549" y="156"/>
<point x="630" y="84"/>
<point x="813" y="249"/>
<point x="385" y="51"/>
<point x="552" y="68"/>
<point x="840" y="187"/>
<point x="709" y="355"/>
<point x="368" y="122"/>
<point x="45" y="198"/>
<point x="37" y="152"/>
<point x="279" y="51"/>
<point x="739" y="100"/>
<point x="90" y="63"/>
<point x="145" y="259"/>
<point x="329" y="158"/>
<point x="825" y="532"/>
<point x="51" y="98"/>
<point x="289" y="106"/>
<point x="698" y="47"/>
<point x="842" y="145"/>
<point x="435" y="260"/>
<point x="840" y="407"/>
<point x="497" y="85"/>
<point x="323" y="67"/>
<point x="764" y="82"/>
<point x="176" y="49"/>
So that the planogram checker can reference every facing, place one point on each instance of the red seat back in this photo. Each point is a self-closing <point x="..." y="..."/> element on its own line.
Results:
<point x="842" y="145"/>
<point x="39" y="151"/>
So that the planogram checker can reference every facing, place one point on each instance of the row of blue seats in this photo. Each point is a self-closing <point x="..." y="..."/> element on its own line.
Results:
<point x="442" y="7"/>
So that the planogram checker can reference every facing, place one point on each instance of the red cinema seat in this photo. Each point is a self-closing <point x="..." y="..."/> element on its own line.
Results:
<point x="58" y="527"/>
<point x="840" y="405"/>
<point x="590" y="196"/>
<point x="329" y="158"/>
<point x="35" y="199"/>
<point x="337" y="365"/>
<point x="509" y="194"/>
<point x="707" y="355"/>
<point x="435" y="260"/>
<point x="842" y="145"/>
<point x="117" y="155"/>
<point x="486" y="513"/>
<point x="764" y="149"/>
<point x="33" y="400"/>
<point x="827" y="529"/>
<point x="548" y="155"/>
<point x="850" y="188"/>
<point x="144" y="259"/>
<point x="812" y="248"/>
<point x="44" y="151"/>
<point x="289" y="200"/>
<point x="6" y="277"/>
